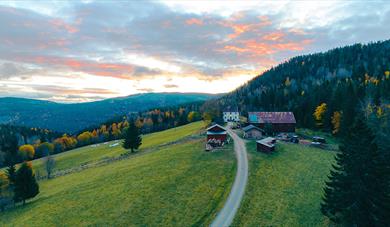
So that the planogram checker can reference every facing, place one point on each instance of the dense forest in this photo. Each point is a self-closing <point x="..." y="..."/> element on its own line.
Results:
<point x="338" y="82"/>
<point x="15" y="141"/>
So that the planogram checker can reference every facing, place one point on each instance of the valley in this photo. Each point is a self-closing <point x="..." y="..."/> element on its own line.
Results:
<point x="194" y="113"/>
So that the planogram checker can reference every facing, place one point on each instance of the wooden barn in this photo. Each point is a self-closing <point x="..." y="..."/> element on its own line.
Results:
<point x="252" y="132"/>
<point x="279" y="121"/>
<point x="216" y="135"/>
<point x="266" y="145"/>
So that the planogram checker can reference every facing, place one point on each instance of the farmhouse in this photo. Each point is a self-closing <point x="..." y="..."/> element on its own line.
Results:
<point x="278" y="121"/>
<point x="231" y="115"/>
<point x="252" y="132"/>
<point x="266" y="145"/>
<point x="216" y="135"/>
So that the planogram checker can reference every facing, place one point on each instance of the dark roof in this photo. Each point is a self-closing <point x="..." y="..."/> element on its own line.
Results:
<point x="271" y="117"/>
<point x="215" y="125"/>
<point x="250" y="127"/>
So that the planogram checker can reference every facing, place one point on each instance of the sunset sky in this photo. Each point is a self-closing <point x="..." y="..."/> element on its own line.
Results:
<point x="90" y="50"/>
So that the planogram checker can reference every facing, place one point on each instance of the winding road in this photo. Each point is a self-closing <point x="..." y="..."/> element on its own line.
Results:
<point x="226" y="215"/>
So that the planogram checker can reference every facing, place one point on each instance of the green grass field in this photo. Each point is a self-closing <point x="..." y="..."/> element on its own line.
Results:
<point x="176" y="185"/>
<point x="285" y="188"/>
<point x="310" y="133"/>
<point x="90" y="154"/>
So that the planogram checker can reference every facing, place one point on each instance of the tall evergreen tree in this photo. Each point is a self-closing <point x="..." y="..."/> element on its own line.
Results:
<point x="351" y="194"/>
<point x="132" y="137"/>
<point x="26" y="187"/>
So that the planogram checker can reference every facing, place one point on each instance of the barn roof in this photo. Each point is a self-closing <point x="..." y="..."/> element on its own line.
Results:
<point x="271" y="117"/>
<point x="215" y="125"/>
<point x="250" y="127"/>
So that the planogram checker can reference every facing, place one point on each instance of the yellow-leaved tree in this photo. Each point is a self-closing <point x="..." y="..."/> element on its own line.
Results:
<point x="26" y="151"/>
<point x="336" y="122"/>
<point x="319" y="114"/>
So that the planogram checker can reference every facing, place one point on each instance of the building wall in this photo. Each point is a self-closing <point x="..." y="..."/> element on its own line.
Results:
<point x="217" y="137"/>
<point x="231" y="116"/>
<point x="263" y="148"/>
<point x="253" y="134"/>
<point x="281" y="127"/>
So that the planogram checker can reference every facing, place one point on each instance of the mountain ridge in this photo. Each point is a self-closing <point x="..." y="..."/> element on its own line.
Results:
<point x="71" y="117"/>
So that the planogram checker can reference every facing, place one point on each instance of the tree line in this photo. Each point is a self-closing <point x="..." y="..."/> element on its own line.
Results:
<point x="33" y="146"/>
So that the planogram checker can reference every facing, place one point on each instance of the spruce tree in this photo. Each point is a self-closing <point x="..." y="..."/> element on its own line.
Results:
<point x="132" y="137"/>
<point x="354" y="194"/>
<point x="26" y="186"/>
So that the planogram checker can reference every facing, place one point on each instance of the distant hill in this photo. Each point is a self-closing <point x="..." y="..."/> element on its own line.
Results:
<point x="73" y="117"/>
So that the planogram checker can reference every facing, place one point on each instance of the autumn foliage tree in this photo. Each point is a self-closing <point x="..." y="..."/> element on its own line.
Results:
<point x="27" y="151"/>
<point x="336" y="122"/>
<point x="319" y="114"/>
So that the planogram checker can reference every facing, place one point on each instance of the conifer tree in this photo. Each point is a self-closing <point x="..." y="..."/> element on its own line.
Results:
<point x="26" y="187"/>
<point x="132" y="137"/>
<point x="354" y="195"/>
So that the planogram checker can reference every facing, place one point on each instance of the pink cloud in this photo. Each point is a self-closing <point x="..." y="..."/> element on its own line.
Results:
<point x="91" y="67"/>
<point x="253" y="47"/>
<point x="274" y="36"/>
<point x="194" y="21"/>
<point x="62" y="25"/>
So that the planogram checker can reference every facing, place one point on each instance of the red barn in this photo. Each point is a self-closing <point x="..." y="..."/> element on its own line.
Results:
<point x="280" y="121"/>
<point x="216" y="135"/>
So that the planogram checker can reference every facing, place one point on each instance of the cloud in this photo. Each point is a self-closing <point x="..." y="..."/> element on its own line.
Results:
<point x="171" y="86"/>
<point x="139" y="42"/>
<point x="194" y="21"/>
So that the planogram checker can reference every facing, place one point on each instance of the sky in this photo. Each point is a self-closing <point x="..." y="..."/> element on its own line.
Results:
<point x="78" y="51"/>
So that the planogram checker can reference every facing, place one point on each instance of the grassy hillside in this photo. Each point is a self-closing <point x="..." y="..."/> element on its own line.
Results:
<point x="285" y="188"/>
<point x="179" y="185"/>
<point x="77" y="116"/>
<point x="94" y="153"/>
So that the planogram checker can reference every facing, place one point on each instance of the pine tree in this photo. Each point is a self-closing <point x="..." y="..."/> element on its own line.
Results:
<point x="11" y="174"/>
<point x="132" y="137"/>
<point x="351" y="194"/>
<point x="26" y="187"/>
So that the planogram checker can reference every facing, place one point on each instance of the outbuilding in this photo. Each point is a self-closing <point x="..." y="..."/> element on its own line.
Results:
<point x="266" y="145"/>
<point x="252" y="132"/>
<point x="216" y="135"/>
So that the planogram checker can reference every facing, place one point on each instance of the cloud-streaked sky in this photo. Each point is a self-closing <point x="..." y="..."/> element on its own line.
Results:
<point x="71" y="51"/>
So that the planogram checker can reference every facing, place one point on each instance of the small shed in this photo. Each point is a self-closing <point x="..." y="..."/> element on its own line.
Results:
<point x="252" y="132"/>
<point x="216" y="135"/>
<point x="266" y="145"/>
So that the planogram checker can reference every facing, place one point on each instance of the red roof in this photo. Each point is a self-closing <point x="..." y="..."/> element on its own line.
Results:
<point x="271" y="117"/>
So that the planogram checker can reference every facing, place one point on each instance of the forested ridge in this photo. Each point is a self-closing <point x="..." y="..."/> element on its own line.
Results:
<point x="345" y="79"/>
<point x="74" y="117"/>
